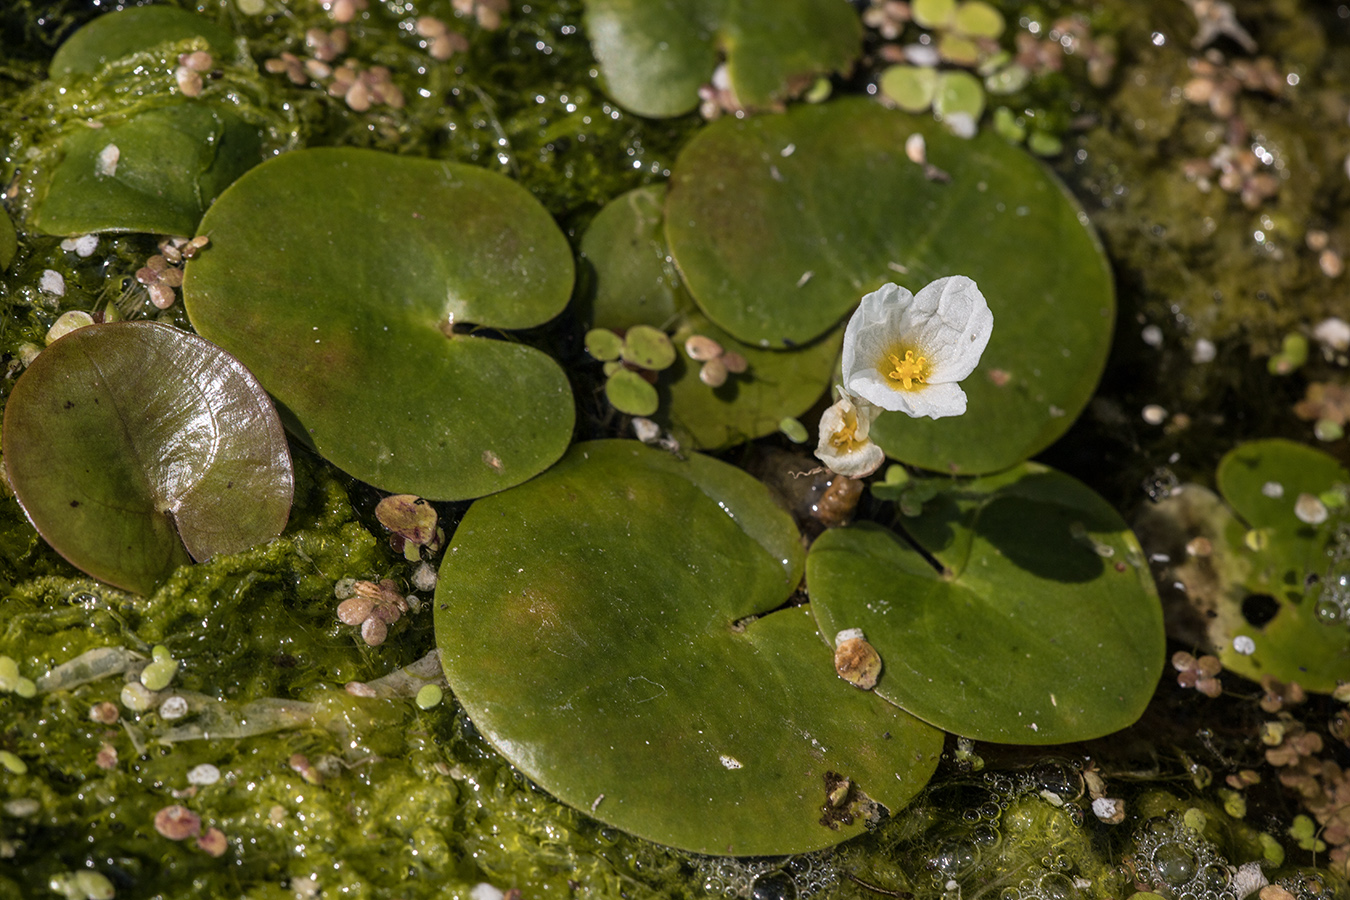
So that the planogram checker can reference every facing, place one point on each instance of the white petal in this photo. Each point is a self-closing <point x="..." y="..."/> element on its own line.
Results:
<point x="869" y="326"/>
<point x="958" y="329"/>
<point x="860" y="457"/>
<point x="932" y="400"/>
<point x="937" y="400"/>
<point x="856" y="463"/>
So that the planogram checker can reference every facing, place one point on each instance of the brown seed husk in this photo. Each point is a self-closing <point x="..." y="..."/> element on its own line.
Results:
<point x="858" y="663"/>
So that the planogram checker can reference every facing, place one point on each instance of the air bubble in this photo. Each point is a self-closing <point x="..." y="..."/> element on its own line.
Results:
<point x="1056" y="886"/>
<point x="777" y="885"/>
<point x="1175" y="863"/>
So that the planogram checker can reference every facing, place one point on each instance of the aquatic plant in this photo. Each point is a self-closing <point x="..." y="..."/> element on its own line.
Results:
<point x="644" y="634"/>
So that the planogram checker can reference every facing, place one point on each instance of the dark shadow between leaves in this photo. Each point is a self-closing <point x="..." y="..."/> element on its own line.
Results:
<point x="1049" y="540"/>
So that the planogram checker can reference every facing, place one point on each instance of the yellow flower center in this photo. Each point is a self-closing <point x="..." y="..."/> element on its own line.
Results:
<point x="909" y="371"/>
<point x="847" y="435"/>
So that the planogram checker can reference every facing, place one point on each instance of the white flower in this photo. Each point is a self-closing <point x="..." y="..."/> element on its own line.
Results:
<point x="844" y="445"/>
<point x="906" y="353"/>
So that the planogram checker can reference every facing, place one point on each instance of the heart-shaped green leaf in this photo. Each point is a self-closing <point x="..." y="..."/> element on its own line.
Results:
<point x="780" y="224"/>
<point x="133" y="445"/>
<point x="597" y="625"/>
<point x="1306" y="637"/>
<point x="656" y="54"/>
<point x="341" y="278"/>
<point x="1041" y="626"/>
<point x="155" y="172"/>
<point x="124" y="32"/>
<point x="635" y="283"/>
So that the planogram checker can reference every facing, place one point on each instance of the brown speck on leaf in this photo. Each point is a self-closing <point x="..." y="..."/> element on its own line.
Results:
<point x="836" y="809"/>
<point x="858" y="663"/>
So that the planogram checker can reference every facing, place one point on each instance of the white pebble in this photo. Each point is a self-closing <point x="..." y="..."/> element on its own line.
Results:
<point x="1204" y="351"/>
<point x="1154" y="414"/>
<point x="1272" y="489"/>
<point x="1244" y="644"/>
<point x="1152" y="335"/>
<point x="106" y="166"/>
<point x="84" y="245"/>
<point x="916" y="149"/>
<point x="1309" y="509"/>
<point x="203" y="775"/>
<point x="961" y="124"/>
<point x="424" y="577"/>
<point x="52" y="282"/>
<point x="1334" y="333"/>
<point x="849" y="634"/>
<point x="174" y="707"/>
<point x="1104" y="808"/>
<point x="922" y="55"/>
<point x="646" y="430"/>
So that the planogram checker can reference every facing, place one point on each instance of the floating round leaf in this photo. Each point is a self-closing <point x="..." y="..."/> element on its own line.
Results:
<point x="635" y="283"/>
<point x="132" y="445"/>
<point x="155" y="172"/>
<point x="603" y="344"/>
<point x="121" y="33"/>
<point x="342" y="279"/>
<point x="630" y="393"/>
<point x="596" y="623"/>
<point x="1036" y="577"/>
<point x="634" y="278"/>
<point x="656" y="54"/>
<point x="910" y="87"/>
<point x="779" y="225"/>
<point x="958" y="93"/>
<point x="648" y="348"/>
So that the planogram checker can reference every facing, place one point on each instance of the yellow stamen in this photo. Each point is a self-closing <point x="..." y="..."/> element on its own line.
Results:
<point x="908" y="371"/>
<point x="847" y="435"/>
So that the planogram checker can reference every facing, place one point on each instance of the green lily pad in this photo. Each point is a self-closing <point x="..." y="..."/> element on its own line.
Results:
<point x="1303" y="639"/>
<point x="975" y="18"/>
<point x="630" y="393"/>
<point x="656" y="54"/>
<point x="634" y="282"/>
<point x="648" y="348"/>
<point x="603" y="344"/>
<point x="1040" y="623"/>
<point x="958" y="93"/>
<point x="155" y="172"/>
<point x="9" y="239"/>
<point x="595" y="623"/>
<point x="757" y="204"/>
<point x="911" y="88"/>
<point x="134" y="448"/>
<point x="124" y="32"/>
<point x="342" y="278"/>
